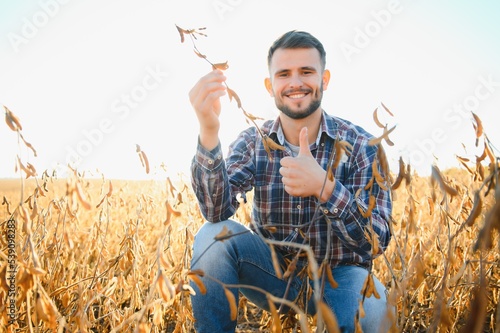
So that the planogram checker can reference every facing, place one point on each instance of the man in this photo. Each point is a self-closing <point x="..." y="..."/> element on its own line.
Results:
<point x="292" y="193"/>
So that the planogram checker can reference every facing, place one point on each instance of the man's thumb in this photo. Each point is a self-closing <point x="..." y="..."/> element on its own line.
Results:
<point x="304" y="142"/>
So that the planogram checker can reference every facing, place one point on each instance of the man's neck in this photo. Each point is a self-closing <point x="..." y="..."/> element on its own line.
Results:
<point x="291" y="127"/>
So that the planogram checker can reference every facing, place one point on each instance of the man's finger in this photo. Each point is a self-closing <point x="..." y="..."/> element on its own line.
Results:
<point x="304" y="143"/>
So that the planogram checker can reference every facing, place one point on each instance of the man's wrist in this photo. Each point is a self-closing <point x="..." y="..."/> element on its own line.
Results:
<point x="327" y="190"/>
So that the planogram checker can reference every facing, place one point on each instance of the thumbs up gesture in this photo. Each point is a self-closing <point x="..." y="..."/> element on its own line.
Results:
<point x="302" y="175"/>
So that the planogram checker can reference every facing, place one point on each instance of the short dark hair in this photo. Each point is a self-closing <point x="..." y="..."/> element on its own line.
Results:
<point x="297" y="40"/>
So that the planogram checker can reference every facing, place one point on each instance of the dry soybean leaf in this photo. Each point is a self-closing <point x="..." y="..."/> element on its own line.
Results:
<point x="100" y="202"/>
<point x="386" y="109"/>
<point x="369" y="288"/>
<point x="438" y="177"/>
<point x="34" y="211"/>
<point x="378" y="176"/>
<point x="275" y="318"/>
<point x="146" y="162"/>
<point x="196" y="279"/>
<point x="171" y="187"/>
<point x="401" y="174"/>
<point x="329" y="318"/>
<point x="330" y="278"/>
<point x="371" y="205"/>
<point x="269" y="145"/>
<point x="361" y="309"/>
<point x="170" y="212"/>
<point x="276" y="264"/>
<point x="489" y="152"/>
<point x="273" y="145"/>
<point x="291" y="268"/>
<point x="110" y="189"/>
<point x="23" y="212"/>
<point x="464" y="161"/>
<point x="26" y="170"/>
<point x="25" y="279"/>
<point x="6" y="202"/>
<point x="480" y="170"/>
<point x="224" y="234"/>
<point x="375" y="118"/>
<point x="233" y="308"/>
<point x="166" y="288"/>
<point x="476" y="209"/>
<point x="199" y="54"/>
<point x="357" y="325"/>
<point x="341" y="147"/>
<point x="251" y="116"/>
<point x="408" y="175"/>
<point x="478" y="127"/>
<point x="232" y="94"/>
<point x="46" y="310"/>
<point x="486" y="234"/>
<point x="181" y="32"/>
<point x="29" y="145"/>
<point x="81" y="197"/>
<point x="222" y="66"/>
<point x="141" y="156"/>
<point x="37" y="267"/>
<point x="431" y="205"/>
<point x="384" y="136"/>
<point x="12" y="120"/>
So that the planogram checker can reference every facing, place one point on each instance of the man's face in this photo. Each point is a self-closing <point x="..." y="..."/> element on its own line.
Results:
<point x="297" y="81"/>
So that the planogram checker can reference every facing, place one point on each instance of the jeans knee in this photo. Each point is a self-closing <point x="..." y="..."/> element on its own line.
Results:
<point x="209" y="230"/>
<point x="207" y="250"/>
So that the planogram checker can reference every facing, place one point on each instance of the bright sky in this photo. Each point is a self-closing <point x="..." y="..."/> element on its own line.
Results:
<point x="91" y="79"/>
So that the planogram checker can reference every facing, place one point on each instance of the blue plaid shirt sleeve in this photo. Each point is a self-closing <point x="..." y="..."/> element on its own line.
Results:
<point x="211" y="185"/>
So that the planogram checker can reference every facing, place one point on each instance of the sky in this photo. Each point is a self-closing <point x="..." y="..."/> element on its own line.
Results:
<point x="92" y="80"/>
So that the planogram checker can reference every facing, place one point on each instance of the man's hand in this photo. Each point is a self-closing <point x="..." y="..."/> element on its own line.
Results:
<point x="302" y="175"/>
<point x="205" y="99"/>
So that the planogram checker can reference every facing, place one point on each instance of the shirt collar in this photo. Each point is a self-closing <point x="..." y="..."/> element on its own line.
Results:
<point x="328" y="126"/>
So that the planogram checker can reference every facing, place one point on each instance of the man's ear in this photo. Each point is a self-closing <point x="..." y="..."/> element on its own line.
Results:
<point x="326" y="78"/>
<point x="269" y="86"/>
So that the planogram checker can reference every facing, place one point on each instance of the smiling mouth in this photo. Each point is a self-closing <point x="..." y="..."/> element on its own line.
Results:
<point x="297" y="94"/>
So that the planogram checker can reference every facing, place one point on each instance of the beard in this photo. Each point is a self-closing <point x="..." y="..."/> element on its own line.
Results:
<point x="303" y="111"/>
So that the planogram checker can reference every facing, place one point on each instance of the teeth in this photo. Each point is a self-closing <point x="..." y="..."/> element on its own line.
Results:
<point x="296" y="96"/>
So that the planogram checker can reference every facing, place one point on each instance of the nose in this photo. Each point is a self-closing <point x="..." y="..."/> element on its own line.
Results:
<point x="295" y="81"/>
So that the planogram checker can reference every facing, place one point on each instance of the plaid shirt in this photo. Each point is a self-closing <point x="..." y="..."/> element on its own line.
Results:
<point x="217" y="182"/>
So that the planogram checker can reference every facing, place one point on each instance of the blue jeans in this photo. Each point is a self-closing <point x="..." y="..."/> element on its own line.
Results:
<point x="246" y="259"/>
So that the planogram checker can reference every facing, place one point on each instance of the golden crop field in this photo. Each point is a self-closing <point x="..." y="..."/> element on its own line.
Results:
<point x="98" y="255"/>
<point x="82" y="254"/>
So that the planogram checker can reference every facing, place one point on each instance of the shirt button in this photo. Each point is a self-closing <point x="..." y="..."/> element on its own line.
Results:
<point x="210" y="162"/>
<point x="219" y="157"/>
<point x="299" y="207"/>
<point x="325" y="211"/>
<point x="335" y="210"/>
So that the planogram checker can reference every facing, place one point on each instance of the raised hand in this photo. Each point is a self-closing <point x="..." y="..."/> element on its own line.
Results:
<point x="302" y="175"/>
<point x="205" y="99"/>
